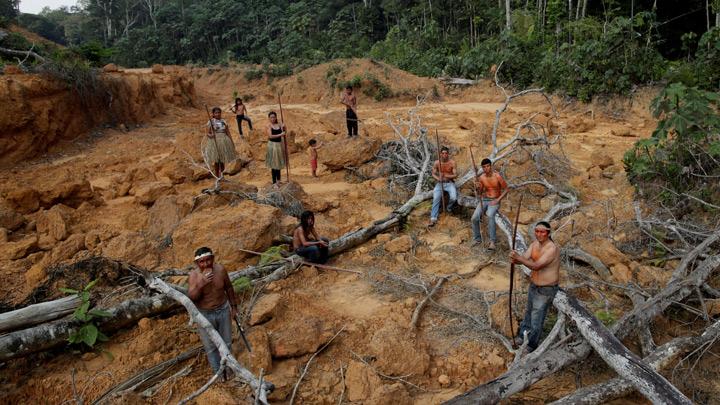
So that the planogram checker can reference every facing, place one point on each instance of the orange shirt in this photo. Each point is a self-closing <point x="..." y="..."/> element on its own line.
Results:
<point x="491" y="185"/>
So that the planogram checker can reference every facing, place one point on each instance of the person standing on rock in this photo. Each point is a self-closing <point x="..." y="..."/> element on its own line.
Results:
<point x="313" y="152"/>
<point x="219" y="149"/>
<point x="444" y="172"/>
<point x="306" y="241"/>
<point x="543" y="260"/>
<point x="350" y="102"/>
<point x="212" y="292"/>
<point x="240" y="111"/>
<point x="491" y="188"/>
<point x="275" y="156"/>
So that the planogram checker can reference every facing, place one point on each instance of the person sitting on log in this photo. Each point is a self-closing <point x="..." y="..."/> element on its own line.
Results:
<point x="543" y="260"/>
<point x="444" y="173"/>
<point x="212" y="292"/>
<point x="306" y="241"/>
<point x="492" y="188"/>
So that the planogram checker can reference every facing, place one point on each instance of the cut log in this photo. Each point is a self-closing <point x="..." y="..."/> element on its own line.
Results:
<point x="52" y="334"/>
<point x="524" y="375"/>
<point x="585" y="257"/>
<point x="38" y="313"/>
<point x="626" y="363"/>
<point x="660" y="358"/>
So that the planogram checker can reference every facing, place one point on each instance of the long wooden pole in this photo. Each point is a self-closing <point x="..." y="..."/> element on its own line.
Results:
<point x="512" y="273"/>
<point x="442" y="181"/>
<point x="284" y="140"/>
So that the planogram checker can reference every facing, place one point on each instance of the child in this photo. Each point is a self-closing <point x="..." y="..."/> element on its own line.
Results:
<point x="312" y="150"/>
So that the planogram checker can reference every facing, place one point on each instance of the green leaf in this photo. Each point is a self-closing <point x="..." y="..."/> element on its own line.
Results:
<point x="68" y="290"/>
<point x="84" y="295"/>
<point x="88" y="334"/>
<point x="91" y="285"/>
<point x="101" y="337"/>
<point x="81" y="312"/>
<point x="99" y="313"/>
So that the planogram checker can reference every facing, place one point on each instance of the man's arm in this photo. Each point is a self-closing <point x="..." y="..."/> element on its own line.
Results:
<point x="435" y="173"/>
<point x="545" y="259"/>
<point x="503" y="188"/>
<point x="230" y="292"/>
<point x="196" y="282"/>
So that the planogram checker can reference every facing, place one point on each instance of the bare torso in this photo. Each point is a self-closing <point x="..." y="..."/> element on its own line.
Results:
<point x="240" y="109"/>
<point x="299" y="236"/>
<point x="492" y="185"/>
<point x="550" y="274"/>
<point x="350" y="101"/>
<point x="213" y="294"/>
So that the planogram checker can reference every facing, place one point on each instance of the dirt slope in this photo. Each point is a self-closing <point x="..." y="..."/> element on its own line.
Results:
<point x="135" y="196"/>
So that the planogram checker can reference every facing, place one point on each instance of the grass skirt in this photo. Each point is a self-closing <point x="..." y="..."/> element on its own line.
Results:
<point x="275" y="156"/>
<point x="222" y="149"/>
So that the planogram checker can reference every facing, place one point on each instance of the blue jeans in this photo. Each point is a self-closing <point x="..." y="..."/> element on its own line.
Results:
<point x="315" y="253"/>
<point x="219" y="318"/>
<point x="437" y="198"/>
<point x="539" y="300"/>
<point x="489" y="211"/>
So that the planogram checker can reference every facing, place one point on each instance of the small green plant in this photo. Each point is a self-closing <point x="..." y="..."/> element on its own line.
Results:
<point x="254" y="74"/>
<point x="606" y="317"/>
<point x="272" y="254"/>
<point x="241" y="283"/>
<point x="332" y="75"/>
<point x="88" y="332"/>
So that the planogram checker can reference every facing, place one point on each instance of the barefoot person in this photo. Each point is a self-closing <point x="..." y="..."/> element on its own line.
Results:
<point x="543" y="259"/>
<point x="350" y="102"/>
<point x="212" y="292"/>
<point x="306" y="241"/>
<point x="492" y="188"/>
<point x="444" y="172"/>
<point x="219" y="148"/>
<point x="312" y="151"/>
<point x="240" y="111"/>
<point x="275" y="157"/>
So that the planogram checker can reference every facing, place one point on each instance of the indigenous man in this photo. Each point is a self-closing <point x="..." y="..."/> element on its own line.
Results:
<point x="213" y="294"/>
<point x="543" y="260"/>
<point x="306" y="241"/>
<point x="492" y="188"/>
<point x="444" y="172"/>
<point x="350" y="102"/>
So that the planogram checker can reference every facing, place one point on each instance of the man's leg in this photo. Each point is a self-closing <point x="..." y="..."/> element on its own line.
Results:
<point x="475" y="223"/>
<point x="491" y="212"/>
<point x="210" y="349"/>
<point x="239" y="122"/>
<point x="541" y="302"/>
<point x="348" y="122"/>
<point x="452" y="195"/>
<point x="437" y="195"/>
<point x="311" y="253"/>
<point x="354" y="123"/>
<point x="324" y="252"/>
<point x="527" y="318"/>
<point x="246" y="118"/>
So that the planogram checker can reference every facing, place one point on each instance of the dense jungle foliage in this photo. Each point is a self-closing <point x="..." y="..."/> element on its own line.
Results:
<point x="581" y="48"/>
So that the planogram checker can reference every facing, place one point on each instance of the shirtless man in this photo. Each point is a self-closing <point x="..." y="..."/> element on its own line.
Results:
<point x="543" y="260"/>
<point x="306" y="241"/>
<point x="492" y="188"/>
<point x="444" y="172"/>
<point x="240" y="111"/>
<point x="212" y="292"/>
<point x="350" y="102"/>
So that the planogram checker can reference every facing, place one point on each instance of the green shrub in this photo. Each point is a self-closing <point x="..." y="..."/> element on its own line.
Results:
<point x="684" y="150"/>
<point x="253" y="74"/>
<point x="88" y="332"/>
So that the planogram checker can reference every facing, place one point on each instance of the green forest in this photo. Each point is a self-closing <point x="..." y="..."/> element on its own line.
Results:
<point x="580" y="48"/>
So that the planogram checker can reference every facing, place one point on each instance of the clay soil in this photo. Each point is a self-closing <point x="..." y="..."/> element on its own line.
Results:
<point x="442" y="358"/>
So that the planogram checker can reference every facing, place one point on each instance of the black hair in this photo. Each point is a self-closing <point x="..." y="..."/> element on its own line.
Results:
<point x="546" y="225"/>
<point x="445" y="149"/>
<point x="312" y="142"/>
<point x="238" y="99"/>
<point x="348" y="87"/>
<point x="216" y="109"/>
<point x="486" y="161"/>
<point x="203" y="250"/>
<point x="304" y="217"/>
<point x="271" y="113"/>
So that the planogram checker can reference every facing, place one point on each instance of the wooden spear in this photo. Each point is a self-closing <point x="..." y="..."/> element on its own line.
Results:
<point x="284" y="140"/>
<point x="212" y="129"/>
<point x="512" y="273"/>
<point x="442" y="185"/>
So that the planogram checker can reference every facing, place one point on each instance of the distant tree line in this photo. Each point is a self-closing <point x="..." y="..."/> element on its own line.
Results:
<point x="581" y="48"/>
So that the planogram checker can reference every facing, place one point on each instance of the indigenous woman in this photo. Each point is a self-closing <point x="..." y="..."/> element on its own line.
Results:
<point x="275" y="157"/>
<point x="219" y="149"/>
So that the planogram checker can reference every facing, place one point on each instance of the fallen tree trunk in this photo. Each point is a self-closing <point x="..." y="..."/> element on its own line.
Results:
<point x="660" y="358"/>
<point x="524" y="375"/>
<point x="585" y="257"/>
<point x="46" y="336"/>
<point x="38" y="313"/>
<point x="626" y="363"/>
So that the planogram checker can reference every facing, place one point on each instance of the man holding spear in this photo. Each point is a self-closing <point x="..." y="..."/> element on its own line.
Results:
<point x="444" y="172"/>
<point x="492" y="188"/>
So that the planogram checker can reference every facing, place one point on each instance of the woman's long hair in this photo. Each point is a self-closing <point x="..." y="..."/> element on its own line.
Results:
<point x="305" y="220"/>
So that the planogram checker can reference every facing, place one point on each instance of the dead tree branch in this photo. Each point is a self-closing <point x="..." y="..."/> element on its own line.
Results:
<point x="421" y="304"/>
<point x="307" y="365"/>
